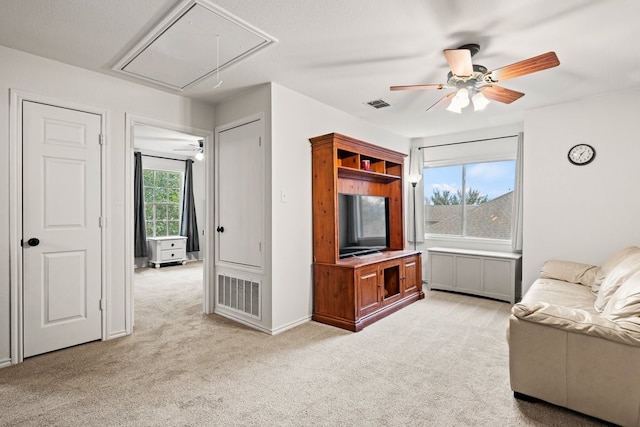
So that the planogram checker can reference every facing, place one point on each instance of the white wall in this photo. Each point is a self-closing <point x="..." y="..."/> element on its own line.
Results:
<point x="296" y="118"/>
<point x="291" y="119"/>
<point x="250" y="103"/>
<point x="39" y="76"/>
<point x="581" y="213"/>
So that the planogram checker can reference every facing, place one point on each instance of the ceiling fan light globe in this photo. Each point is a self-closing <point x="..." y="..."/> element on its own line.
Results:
<point x="454" y="108"/>
<point x="199" y="156"/>
<point x="462" y="98"/>
<point x="479" y="101"/>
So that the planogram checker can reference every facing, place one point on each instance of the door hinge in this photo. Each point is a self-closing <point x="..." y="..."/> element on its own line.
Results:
<point x="102" y="305"/>
<point x="100" y="222"/>
<point x="259" y="141"/>
<point x="260" y="246"/>
<point x="101" y="139"/>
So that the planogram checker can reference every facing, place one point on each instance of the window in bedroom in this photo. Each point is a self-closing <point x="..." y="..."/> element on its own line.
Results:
<point x="486" y="209"/>
<point x="162" y="202"/>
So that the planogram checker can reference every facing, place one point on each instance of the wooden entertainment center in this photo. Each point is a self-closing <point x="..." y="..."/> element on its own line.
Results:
<point x="354" y="292"/>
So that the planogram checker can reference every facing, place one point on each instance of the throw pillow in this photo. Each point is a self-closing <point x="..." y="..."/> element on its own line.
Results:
<point x="625" y="302"/>
<point x="615" y="278"/>
<point x="610" y="263"/>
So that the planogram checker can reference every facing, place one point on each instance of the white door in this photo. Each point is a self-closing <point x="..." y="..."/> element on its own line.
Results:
<point x="240" y="195"/>
<point x="61" y="238"/>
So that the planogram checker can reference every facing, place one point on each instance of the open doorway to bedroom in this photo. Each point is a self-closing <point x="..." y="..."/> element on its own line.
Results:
<point x="169" y="219"/>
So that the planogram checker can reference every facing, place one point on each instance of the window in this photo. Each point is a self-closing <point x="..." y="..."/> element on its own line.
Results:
<point x="162" y="204"/>
<point x="486" y="209"/>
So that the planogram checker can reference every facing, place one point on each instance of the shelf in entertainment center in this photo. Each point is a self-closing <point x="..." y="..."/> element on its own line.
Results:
<point x="364" y="175"/>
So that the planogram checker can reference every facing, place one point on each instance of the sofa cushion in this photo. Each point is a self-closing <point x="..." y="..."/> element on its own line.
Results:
<point x="625" y="302"/>
<point x="570" y="271"/>
<point x="610" y="263"/>
<point x="615" y="278"/>
<point x="575" y="320"/>
<point x="557" y="292"/>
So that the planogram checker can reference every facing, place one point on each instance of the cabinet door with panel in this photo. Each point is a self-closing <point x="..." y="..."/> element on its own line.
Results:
<point x="412" y="275"/>
<point x="498" y="277"/>
<point x="368" y="286"/>
<point x="468" y="277"/>
<point x="441" y="270"/>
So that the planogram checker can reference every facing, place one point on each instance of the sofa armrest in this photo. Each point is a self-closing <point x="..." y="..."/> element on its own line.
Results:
<point x="569" y="271"/>
<point x="575" y="320"/>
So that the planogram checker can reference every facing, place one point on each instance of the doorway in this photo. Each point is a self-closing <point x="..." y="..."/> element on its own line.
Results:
<point x="165" y="149"/>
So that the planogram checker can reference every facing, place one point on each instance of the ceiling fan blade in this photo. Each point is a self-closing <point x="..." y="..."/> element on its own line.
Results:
<point x="459" y="61"/>
<point x="443" y="102"/>
<point x="419" y="87"/>
<point x="527" y="66"/>
<point x="185" y="149"/>
<point x="501" y="94"/>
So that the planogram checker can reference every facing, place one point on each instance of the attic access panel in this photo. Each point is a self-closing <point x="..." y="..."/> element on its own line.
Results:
<point x="182" y="50"/>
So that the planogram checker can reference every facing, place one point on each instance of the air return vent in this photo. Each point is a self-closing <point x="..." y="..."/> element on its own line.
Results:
<point x="378" y="103"/>
<point x="239" y="295"/>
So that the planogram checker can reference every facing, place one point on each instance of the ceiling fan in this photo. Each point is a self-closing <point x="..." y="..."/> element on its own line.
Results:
<point x="476" y="83"/>
<point x="198" y="149"/>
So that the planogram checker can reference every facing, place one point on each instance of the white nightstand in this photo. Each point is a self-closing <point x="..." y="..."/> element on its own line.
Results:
<point x="167" y="249"/>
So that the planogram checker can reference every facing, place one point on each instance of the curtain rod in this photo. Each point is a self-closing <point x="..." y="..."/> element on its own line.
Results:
<point x="165" y="158"/>
<point x="466" y="142"/>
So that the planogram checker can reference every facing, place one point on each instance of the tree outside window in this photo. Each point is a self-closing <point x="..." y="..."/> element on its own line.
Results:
<point x="486" y="209"/>
<point x="162" y="191"/>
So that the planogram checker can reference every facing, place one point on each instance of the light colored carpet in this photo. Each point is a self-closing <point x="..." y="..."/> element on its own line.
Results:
<point x="441" y="361"/>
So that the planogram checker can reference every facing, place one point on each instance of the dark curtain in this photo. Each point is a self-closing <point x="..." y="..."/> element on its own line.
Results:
<point x="189" y="225"/>
<point x="140" y="231"/>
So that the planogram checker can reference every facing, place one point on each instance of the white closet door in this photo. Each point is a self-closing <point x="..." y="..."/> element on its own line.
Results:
<point x="61" y="229"/>
<point x="241" y="195"/>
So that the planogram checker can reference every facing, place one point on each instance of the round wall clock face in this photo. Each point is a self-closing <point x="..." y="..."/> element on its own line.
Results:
<point x="581" y="154"/>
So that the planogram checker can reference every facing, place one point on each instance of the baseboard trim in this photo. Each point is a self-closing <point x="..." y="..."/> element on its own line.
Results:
<point x="230" y="316"/>
<point x="291" y="325"/>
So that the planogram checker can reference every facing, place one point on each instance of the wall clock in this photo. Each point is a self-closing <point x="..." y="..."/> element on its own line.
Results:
<point x="581" y="154"/>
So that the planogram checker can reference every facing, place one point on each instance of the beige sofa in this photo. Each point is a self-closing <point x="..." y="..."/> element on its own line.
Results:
<point x="574" y="339"/>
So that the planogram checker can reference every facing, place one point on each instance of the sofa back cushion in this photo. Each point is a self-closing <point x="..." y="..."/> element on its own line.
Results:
<point x="610" y="263"/>
<point x="615" y="278"/>
<point x="570" y="271"/>
<point x="625" y="302"/>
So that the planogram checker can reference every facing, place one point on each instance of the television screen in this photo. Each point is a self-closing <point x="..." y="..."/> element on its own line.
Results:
<point x="363" y="224"/>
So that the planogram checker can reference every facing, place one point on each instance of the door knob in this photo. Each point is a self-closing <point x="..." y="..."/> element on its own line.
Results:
<point x="33" y="242"/>
<point x="220" y="229"/>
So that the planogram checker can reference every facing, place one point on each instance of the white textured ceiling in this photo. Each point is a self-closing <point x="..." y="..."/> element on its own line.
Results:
<point x="345" y="53"/>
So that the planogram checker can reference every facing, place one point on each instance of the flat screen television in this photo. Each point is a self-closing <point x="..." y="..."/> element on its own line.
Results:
<point x="363" y="224"/>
